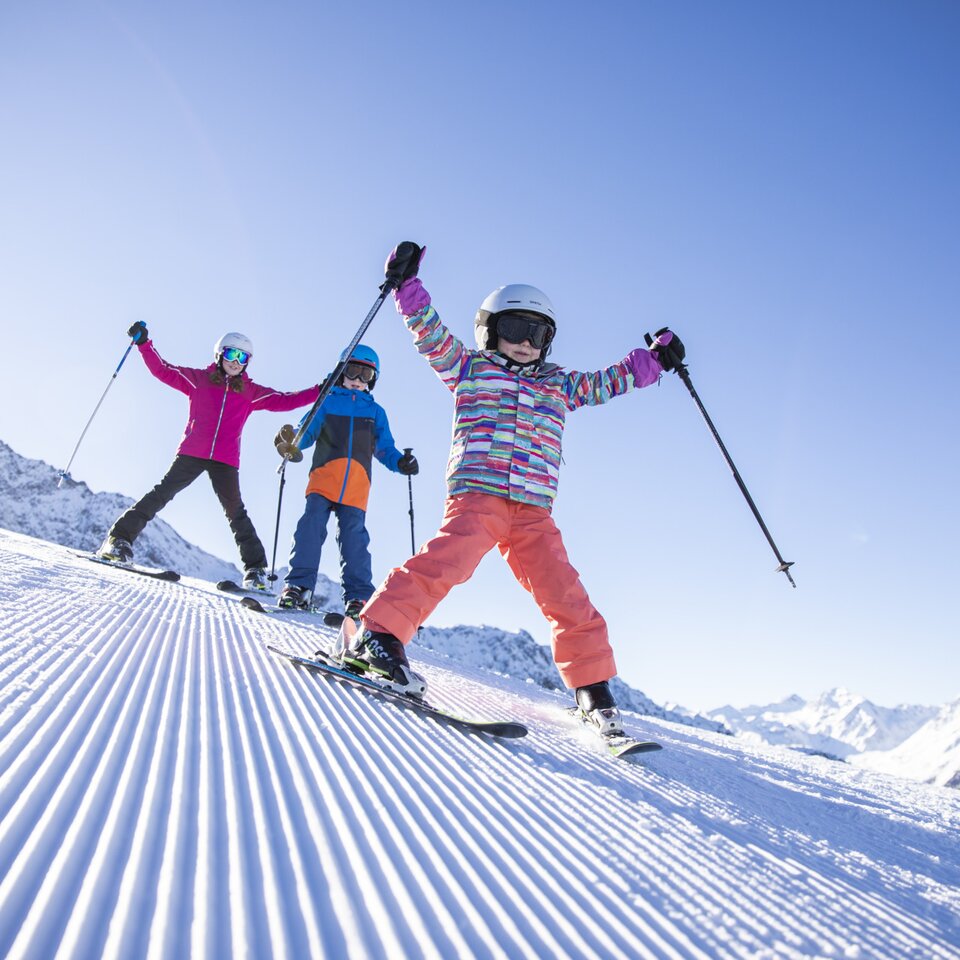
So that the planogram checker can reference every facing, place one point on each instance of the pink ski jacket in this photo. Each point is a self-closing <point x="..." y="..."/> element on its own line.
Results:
<point x="218" y="413"/>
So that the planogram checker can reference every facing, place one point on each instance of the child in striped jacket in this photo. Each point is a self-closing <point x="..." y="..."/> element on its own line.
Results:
<point x="510" y="405"/>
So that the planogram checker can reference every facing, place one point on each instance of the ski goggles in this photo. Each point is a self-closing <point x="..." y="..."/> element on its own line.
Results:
<point x="517" y="327"/>
<point x="359" y="371"/>
<point x="235" y="355"/>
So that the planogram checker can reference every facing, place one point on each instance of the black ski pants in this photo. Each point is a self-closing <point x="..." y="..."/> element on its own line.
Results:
<point x="226" y="484"/>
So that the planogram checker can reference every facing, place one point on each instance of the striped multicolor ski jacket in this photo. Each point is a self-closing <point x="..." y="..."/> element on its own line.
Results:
<point x="508" y="426"/>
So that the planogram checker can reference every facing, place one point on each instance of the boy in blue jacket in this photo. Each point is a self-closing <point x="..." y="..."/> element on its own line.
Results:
<point x="349" y="430"/>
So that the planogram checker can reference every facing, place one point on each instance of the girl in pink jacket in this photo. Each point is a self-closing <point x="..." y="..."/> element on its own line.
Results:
<point x="221" y="397"/>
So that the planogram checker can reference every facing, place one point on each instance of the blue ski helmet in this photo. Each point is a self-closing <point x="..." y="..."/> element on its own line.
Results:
<point x="365" y="355"/>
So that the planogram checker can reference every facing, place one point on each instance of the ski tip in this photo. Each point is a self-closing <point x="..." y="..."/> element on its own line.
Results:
<point x="332" y="619"/>
<point x="228" y="586"/>
<point x="504" y="728"/>
<point x="632" y="747"/>
<point x="251" y="603"/>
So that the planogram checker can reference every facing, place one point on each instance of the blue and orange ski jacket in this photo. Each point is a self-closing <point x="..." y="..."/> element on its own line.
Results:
<point x="349" y="430"/>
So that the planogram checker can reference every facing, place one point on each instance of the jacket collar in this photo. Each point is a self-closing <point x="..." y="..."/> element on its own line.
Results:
<point x="539" y="370"/>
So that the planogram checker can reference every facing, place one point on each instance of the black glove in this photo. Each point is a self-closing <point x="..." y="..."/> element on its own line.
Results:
<point x="283" y="441"/>
<point x="402" y="264"/>
<point x="139" y="332"/>
<point x="408" y="465"/>
<point x="671" y="353"/>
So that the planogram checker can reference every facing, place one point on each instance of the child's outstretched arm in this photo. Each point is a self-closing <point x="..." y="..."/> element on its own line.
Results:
<point x="638" y="369"/>
<point x="266" y="398"/>
<point x="183" y="379"/>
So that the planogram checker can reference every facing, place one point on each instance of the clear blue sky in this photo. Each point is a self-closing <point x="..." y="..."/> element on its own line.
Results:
<point x="777" y="182"/>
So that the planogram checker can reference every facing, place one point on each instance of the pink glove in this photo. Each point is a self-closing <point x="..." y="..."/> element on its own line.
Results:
<point x="411" y="298"/>
<point x="644" y="366"/>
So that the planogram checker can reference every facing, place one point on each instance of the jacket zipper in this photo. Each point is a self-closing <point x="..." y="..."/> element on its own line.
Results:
<point x="346" y="473"/>
<point x="216" y="430"/>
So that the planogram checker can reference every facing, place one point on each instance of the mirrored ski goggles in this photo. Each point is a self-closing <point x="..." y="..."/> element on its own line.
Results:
<point x="359" y="371"/>
<point x="517" y="327"/>
<point x="235" y="355"/>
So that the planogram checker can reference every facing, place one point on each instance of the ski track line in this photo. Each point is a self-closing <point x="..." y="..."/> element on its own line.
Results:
<point x="368" y="789"/>
<point x="169" y="788"/>
<point x="79" y="777"/>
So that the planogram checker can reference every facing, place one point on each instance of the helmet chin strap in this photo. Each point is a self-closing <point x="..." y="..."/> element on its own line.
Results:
<point x="518" y="367"/>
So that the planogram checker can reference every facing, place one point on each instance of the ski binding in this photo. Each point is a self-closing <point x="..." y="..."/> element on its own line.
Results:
<point x="330" y="668"/>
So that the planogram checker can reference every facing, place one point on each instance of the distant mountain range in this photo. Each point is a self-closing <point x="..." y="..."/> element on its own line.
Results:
<point x="922" y="743"/>
<point x="918" y="742"/>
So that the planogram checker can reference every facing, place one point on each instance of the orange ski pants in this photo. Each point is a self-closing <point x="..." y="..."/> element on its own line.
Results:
<point x="528" y="539"/>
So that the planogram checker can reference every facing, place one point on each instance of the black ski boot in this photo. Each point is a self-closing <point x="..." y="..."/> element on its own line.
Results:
<point x="383" y="654"/>
<point x="597" y="704"/>
<point x="117" y="549"/>
<point x="295" y="598"/>
<point x="255" y="579"/>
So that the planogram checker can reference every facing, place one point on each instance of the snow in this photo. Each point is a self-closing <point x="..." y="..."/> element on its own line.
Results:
<point x="170" y="789"/>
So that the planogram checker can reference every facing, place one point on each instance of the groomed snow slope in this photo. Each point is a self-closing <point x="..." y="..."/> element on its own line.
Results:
<point x="170" y="789"/>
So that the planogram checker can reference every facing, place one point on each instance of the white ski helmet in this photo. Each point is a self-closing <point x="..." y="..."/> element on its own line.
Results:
<point x="514" y="296"/>
<point x="236" y="340"/>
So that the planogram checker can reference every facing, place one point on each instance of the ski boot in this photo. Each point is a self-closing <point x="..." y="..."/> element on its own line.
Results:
<point x="255" y="579"/>
<point x="596" y="704"/>
<point x="381" y="654"/>
<point x="352" y="609"/>
<point x="295" y="598"/>
<point x="116" y="549"/>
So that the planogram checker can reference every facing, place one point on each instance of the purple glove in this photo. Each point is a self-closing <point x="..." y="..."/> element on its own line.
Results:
<point x="411" y="298"/>
<point x="668" y="348"/>
<point x="644" y="366"/>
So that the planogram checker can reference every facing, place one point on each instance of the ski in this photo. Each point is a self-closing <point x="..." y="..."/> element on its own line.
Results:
<point x="252" y="603"/>
<point x="231" y="586"/>
<point x="170" y="575"/>
<point x="328" y="668"/>
<point x="618" y="745"/>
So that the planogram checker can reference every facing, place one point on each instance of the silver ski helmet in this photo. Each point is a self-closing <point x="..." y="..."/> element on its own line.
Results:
<point x="513" y="298"/>
<point x="366" y="356"/>
<point x="236" y="340"/>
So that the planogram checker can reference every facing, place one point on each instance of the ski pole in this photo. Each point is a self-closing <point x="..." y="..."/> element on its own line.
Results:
<point x="688" y="383"/>
<point x="62" y="474"/>
<point x="328" y="384"/>
<point x="413" y="540"/>
<point x="276" y="529"/>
